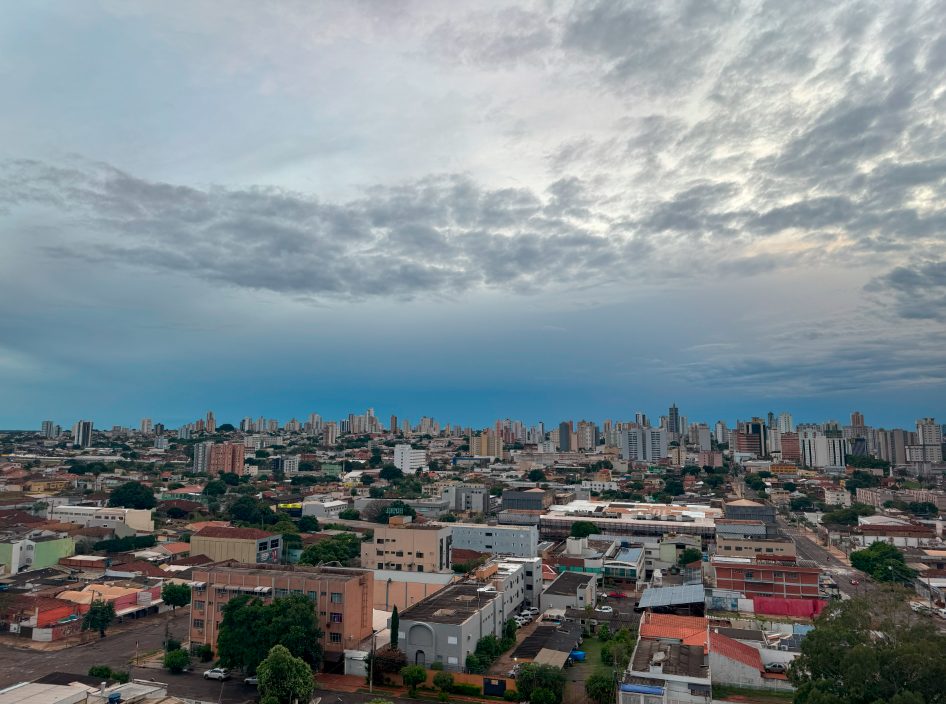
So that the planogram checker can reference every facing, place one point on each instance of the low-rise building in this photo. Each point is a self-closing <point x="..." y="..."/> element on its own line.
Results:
<point x="570" y="590"/>
<point x="35" y="552"/>
<point x="466" y="497"/>
<point x="121" y="519"/>
<point x="343" y="598"/>
<point x="402" y="545"/>
<point x="742" y="538"/>
<point x="245" y="545"/>
<point x="786" y="577"/>
<point x="498" y="540"/>
<point x="664" y="671"/>
<point x="534" y="499"/>
<point x="324" y="509"/>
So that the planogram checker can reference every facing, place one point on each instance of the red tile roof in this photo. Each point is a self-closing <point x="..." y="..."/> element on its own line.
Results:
<point x="175" y="548"/>
<point x="691" y="630"/>
<point x="232" y="533"/>
<point x="734" y="650"/>
<point x="193" y="560"/>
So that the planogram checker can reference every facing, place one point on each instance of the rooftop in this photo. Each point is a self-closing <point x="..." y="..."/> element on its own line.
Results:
<point x="232" y="533"/>
<point x="669" y="596"/>
<point x="567" y="583"/>
<point x="734" y="650"/>
<point x="691" y="630"/>
<point x="451" y="605"/>
<point x="674" y="659"/>
<point x="261" y="569"/>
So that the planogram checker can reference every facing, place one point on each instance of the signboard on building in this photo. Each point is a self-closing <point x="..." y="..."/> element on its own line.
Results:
<point x="270" y="556"/>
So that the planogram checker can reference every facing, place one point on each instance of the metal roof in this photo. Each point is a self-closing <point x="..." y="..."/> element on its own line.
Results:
<point x="669" y="596"/>
<point x="629" y="555"/>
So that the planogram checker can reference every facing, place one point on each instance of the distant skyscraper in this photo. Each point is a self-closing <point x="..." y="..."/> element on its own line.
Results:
<point x="393" y="424"/>
<point x="673" y="419"/>
<point x="329" y="433"/>
<point x="722" y="432"/>
<point x="785" y="424"/>
<point x="158" y="428"/>
<point x="183" y="433"/>
<point x="211" y="424"/>
<point x="930" y="438"/>
<point x="857" y="420"/>
<point x="564" y="436"/>
<point x="47" y="429"/>
<point x="145" y="425"/>
<point x="770" y="419"/>
<point x="227" y="458"/>
<point x="273" y="425"/>
<point x="202" y="456"/>
<point x="160" y="443"/>
<point x="406" y="427"/>
<point x="82" y="433"/>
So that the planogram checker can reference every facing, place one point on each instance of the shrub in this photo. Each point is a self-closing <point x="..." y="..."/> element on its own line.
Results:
<point x="107" y="673"/>
<point x="413" y="675"/>
<point x="437" y="666"/>
<point x="543" y="696"/>
<point x="443" y="696"/>
<point x="171" y="644"/>
<point x="473" y="664"/>
<point x="205" y="652"/>
<point x="176" y="660"/>
<point x="470" y="689"/>
<point x="412" y="692"/>
<point x="511" y="695"/>
<point x="443" y="681"/>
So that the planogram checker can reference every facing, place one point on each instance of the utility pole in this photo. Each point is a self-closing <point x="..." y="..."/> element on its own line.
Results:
<point x="371" y="664"/>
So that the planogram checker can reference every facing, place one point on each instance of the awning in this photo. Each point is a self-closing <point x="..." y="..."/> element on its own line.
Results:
<point x="233" y="587"/>
<point x="197" y="584"/>
<point x="642" y="689"/>
<point x="263" y="590"/>
<point x="130" y="610"/>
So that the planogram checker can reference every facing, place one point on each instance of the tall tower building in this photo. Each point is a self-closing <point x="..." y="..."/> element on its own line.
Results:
<point x="857" y="420"/>
<point x="145" y="425"/>
<point x="393" y="424"/>
<point x="329" y="433"/>
<point x="47" y="429"/>
<point x="785" y="423"/>
<point x="211" y="424"/>
<point x="564" y="436"/>
<point x="673" y="420"/>
<point x="82" y="433"/>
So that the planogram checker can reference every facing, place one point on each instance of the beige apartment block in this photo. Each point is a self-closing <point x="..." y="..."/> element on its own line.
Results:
<point x="249" y="545"/>
<point x="746" y="547"/>
<point x="402" y="545"/>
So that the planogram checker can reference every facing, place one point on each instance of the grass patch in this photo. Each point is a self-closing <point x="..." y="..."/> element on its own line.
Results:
<point x="762" y="696"/>
<point x="144" y="656"/>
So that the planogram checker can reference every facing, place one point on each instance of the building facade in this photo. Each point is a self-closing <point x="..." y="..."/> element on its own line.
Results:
<point x="787" y="578"/>
<point x="409" y="547"/>
<point x="244" y="545"/>
<point x="521" y="541"/>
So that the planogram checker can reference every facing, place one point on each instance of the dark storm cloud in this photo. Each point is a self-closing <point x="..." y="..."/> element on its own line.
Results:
<point x="919" y="290"/>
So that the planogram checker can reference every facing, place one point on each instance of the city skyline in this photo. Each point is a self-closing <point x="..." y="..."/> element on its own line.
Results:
<point x="531" y="209"/>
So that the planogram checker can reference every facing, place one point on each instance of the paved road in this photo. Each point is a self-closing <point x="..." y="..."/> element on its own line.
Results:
<point x="808" y="549"/>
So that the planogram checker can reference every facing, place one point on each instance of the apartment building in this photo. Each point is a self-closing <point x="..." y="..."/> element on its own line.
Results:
<point x="787" y="577"/>
<point x="837" y="497"/>
<point x="245" y="545"/>
<point x="570" y="590"/>
<point x="227" y="458"/>
<point x="486" y="445"/>
<point x="745" y="538"/>
<point x="499" y="540"/>
<point x="466" y="497"/>
<point x="402" y="545"/>
<point x="527" y="500"/>
<point x="409" y="460"/>
<point x="343" y="597"/>
<point x="446" y="626"/>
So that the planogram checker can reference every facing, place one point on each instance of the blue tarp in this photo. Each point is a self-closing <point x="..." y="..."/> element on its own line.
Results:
<point x="641" y="689"/>
<point x="577" y="655"/>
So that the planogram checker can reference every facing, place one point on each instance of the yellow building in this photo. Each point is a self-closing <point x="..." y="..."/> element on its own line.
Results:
<point x="405" y="546"/>
<point x="248" y="545"/>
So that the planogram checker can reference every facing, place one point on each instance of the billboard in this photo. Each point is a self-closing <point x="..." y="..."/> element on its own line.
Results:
<point x="271" y="556"/>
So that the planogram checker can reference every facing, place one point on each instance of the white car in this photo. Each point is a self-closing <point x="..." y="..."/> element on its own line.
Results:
<point x="605" y="610"/>
<point x="218" y="673"/>
<point x="532" y="611"/>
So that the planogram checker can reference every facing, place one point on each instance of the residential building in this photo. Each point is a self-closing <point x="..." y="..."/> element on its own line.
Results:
<point x="785" y="424"/>
<point x="521" y="541"/>
<point x="227" y="458"/>
<point x="82" y="433"/>
<point x="33" y="553"/>
<point x="891" y="445"/>
<point x="527" y="500"/>
<point x="587" y="435"/>
<point x="145" y="425"/>
<point x="741" y="538"/>
<point x="487" y="444"/>
<point x="402" y="589"/>
<point x="245" y="545"/>
<point x="409" y="460"/>
<point x="570" y="590"/>
<point x="202" y="456"/>
<point x="184" y="433"/>
<point x="673" y="420"/>
<point x="710" y="459"/>
<point x="787" y="577"/>
<point x="837" y="497"/>
<point x="821" y="451"/>
<point x="626" y="568"/>
<point x="752" y="437"/>
<point x="666" y="671"/>
<point x="648" y="444"/>
<point x="211" y="425"/>
<point x="343" y="596"/>
<point x="410" y="547"/>
<point x="929" y="446"/>
<point x="466" y="497"/>
<point x="446" y="626"/>
<point x="48" y="429"/>
<point x="790" y="447"/>
<point x="564" y="436"/>
<point x="721" y="432"/>
<point x="330" y="433"/>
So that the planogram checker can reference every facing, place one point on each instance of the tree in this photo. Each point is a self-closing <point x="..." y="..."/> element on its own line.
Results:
<point x="582" y="529"/>
<point x="132" y="495"/>
<point x="789" y="486"/>
<point x="861" y="480"/>
<point x="496" y="490"/>
<point x="847" y="516"/>
<point x="261" y="454"/>
<point x="509" y="630"/>
<point x="883" y="562"/>
<point x="865" y="651"/>
<point x="390" y="473"/>
<point x="536" y="475"/>
<point x="339" y="548"/>
<point x="309" y="524"/>
<point x="175" y="595"/>
<point x="225" y="428"/>
<point x="99" y="616"/>
<point x="251" y="628"/>
<point x="690" y="555"/>
<point x="395" y="625"/>
<point x="284" y="678"/>
<point x="692" y="470"/>
<point x="230" y="478"/>
<point x="384" y="660"/>
<point x="448" y="518"/>
<point x="600" y="686"/>
<point x="382" y="513"/>
<point x="443" y="681"/>
<point x="176" y="660"/>
<point x="104" y="672"/>
<point x="414" y="675"/>
<point x="349" y="514"/>
<point x="543" y="696"/>
<point x="215" y="488"/>
<point x="533" y="677"/>
<point x="604" y="633"/>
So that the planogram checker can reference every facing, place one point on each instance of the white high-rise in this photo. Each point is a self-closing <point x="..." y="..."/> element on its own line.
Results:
<point x="409" y="460"/>
<point x="47" y="429"/>
<point x="785" y="424"/>
<point x="722" y="432"/>
<point x="646" y="444"/>
<point x="145" y="425"/>
<point x="82" y="433"/>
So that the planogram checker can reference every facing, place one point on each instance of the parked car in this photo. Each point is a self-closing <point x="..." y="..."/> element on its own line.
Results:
<point x="605" y="609"/>
<point x="618" y="595"/>
<point x="941" y="612"/>
<point x="218" y="673"/>
<point x="513" y="672"/>
<point x="532" y="611"/>
<point x="775" y="667"/>
<point x="254" y="680"/>
<point x="854" y="582"/>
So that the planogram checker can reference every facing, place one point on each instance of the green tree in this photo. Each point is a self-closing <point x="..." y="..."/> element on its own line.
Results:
<point x="104" y="672"/>
<point x="883" y="562"/>
<point x="309" y="524"/>
<point x="604" y="633"/>
<point x="175" y="595"/>
<point x="473" y="664"/>
<point x="395" y="626"/>
<point x="261" y="454"/>
<point x="250" y="629"/>
<point x="176" y="660"/>
<point x="533" y="677"/>
<point x="225" y="428"/>
<point x="509" y="629"/>
<point x="543" y="696"/>
<point x="414" y="675"/>
<point x="230" y="478"/>
<point x="496" y="490"/>
<point x="99" y="616"/>
<point x="384" y="513"/>
<point x="448" y="518"/>
<point x="349" y="514"/>
<point x="215" y="488"/>
<point x="390" y="473"/>
<point x="690" y="555"/>
<point x="443" y="681"/>
<point x="861" y="480"/>
<point x="284" y="678"/>
<point x="132" y="495"/>
<point x="536" y="475"/>
<point x="339" y="548"/>
<point x="600" y="686"/>
<point x="582" y="529"/>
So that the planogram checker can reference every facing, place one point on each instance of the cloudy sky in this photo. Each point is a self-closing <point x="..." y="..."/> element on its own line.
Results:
<point x="472" y="211"/>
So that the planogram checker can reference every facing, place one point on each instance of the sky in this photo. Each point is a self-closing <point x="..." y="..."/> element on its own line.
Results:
<point x="471" y="211"/>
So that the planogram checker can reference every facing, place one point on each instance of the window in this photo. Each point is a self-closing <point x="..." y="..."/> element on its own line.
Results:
<point x="738" y="548"/>
<point x="313" y="595"/>
<point x="760" y="549"/>
<point x="488" y="547"/>
<point x="198" y="623"/>
<point x="528" y="573"/>
<point x="274" y="543"/>
<point x="420" y="554"/>
<point x="261" y="547"/>
<point x="282" y="592"/>
<point x="379" y="552"/>
<point x="452" y="661"/>
<point x="397" y="567"/>
<point x="380" y="541"/>
<point x="420" y="568"/>
<point x="221" y="593"/>
<point x="335" y="637"/>
<point x="336" y="597"/>
<point x="529" y="587"/>
<point x="793" y="575"/>
<point x="201" y="590"/>
<point x="295" y="592"/>
<point x="451" y="640"/>
<point x="336" y="617"/>
<point x="750" y="574"/>
<point x="489" y="535"/>
<point x="219" y="606"/>
<point x="399" y="553"/>
<point x="776" y="575"/>
<point x="768" y="549"/>
<point x="199" y="605"/>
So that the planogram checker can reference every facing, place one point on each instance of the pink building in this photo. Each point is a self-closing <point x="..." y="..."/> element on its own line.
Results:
<point x="713" y="459"/>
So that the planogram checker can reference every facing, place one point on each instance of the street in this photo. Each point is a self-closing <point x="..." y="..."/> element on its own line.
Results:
<point x="807" y="547"/>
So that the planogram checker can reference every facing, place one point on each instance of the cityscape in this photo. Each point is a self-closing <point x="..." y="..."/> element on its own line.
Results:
<point x="526" y="351"/>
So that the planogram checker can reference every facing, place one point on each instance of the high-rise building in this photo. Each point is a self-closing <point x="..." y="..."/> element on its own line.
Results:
<point x="791" y="450"/>
<point x="145" y="425"/>
<point x="211" y="424"/>
<point x="158" y="428"/>
<point x="785" y="424"/>
<point x="564" y="436"/>
<point x="751" y="437"/>
<point x="673" y="420"/>
<point x="587" y="434"/>
<point x="47" y="429"/>
<point x="409" y="460"/>
<point x="273" y="425"/>
<point x="329" y="433"/>
<point x="183" y="433"/>
<point x="393" y="424"/>
<point x="930" y="439"/>
<point x="722" y="432"/>
<point x="406" y="427"/>
<point x="486" y="444"/>
<point x="821" y="451"/>
<point x="82" y="433"/>
<point x="160" y="443"/>
<point x="857" y="419"/>
<point x="647" y="444"/>
<point x="246" y="425"/>
<point x="770" y="419"/>
<point x="227" y="458"/>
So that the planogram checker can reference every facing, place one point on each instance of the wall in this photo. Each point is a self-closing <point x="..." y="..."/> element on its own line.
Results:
<point x="48" y="552"/>
<point x="458" y="678"/>
<point x="731" y="672"/>
<point x="387" y="595"/>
